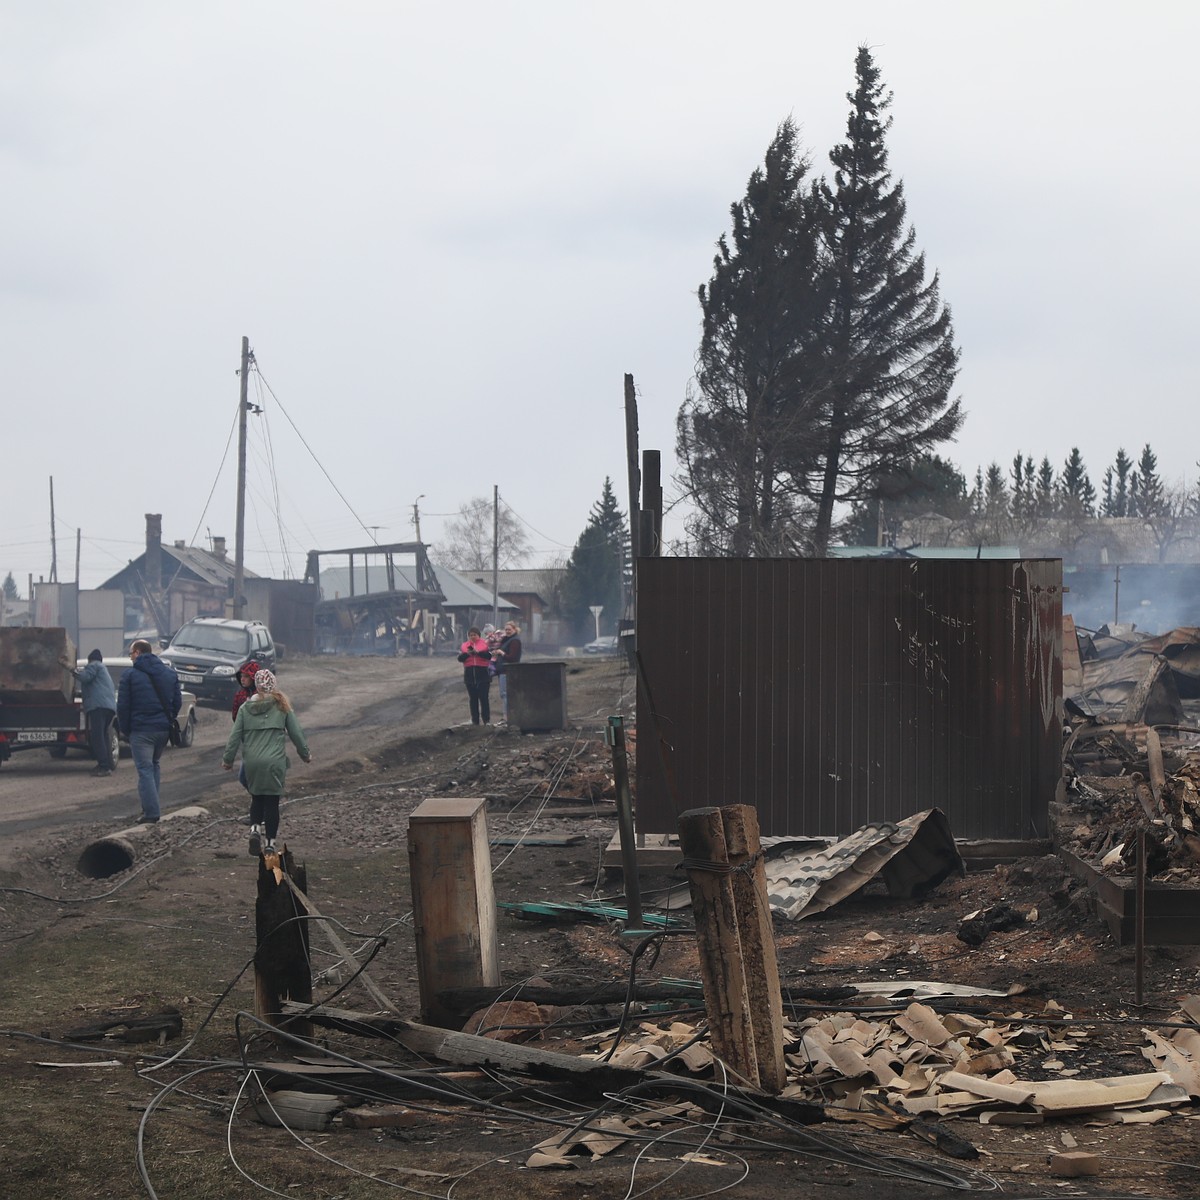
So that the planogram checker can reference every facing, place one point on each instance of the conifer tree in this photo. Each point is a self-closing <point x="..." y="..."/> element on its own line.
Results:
<point x="1151" y="498"/>
<point x="10" y="588"/>
<point x="1047" y="503"/>
<point x="891" y="354"/>
<point x="1075" y="489"/>
<point x="596" y="570"/>
<point x="742" y="435"/>
<point x="1120" y="469"/>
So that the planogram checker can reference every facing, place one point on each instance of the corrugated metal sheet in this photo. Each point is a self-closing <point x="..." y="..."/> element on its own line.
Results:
<point x="830" y="693"/>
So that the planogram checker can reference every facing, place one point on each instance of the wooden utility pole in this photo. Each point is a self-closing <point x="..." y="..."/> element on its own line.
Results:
<point x="239" y="544"/>
<point x="495" y="554"/>
<point x="53" y="538"/>
<point x="635" y="487"/>
<point x="650" y="516"/>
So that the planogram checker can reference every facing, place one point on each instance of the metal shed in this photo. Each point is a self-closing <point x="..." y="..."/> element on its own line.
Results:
<point x="832" y="693"/>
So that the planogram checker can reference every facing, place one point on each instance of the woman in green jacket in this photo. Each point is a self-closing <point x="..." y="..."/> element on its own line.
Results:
<point x="263" y="726"/>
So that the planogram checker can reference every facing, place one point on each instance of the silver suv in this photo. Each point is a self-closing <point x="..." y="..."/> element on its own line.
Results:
<point x="207" y="651"/>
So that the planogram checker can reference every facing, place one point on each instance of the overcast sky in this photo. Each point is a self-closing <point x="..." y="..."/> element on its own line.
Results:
<point x="449" y="230"/>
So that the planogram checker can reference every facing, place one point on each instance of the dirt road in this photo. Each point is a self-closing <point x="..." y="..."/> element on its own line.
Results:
<point x="348" y="707"/>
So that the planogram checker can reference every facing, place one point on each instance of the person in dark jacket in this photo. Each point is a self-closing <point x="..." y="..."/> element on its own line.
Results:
<point x="475" y="658"/>
<point x="99" y="709"/>
<point x="148" y="700"/>
<point x="507" y="653"/>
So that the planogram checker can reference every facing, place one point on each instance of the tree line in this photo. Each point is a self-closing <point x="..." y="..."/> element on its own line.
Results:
<point x="1010" y="504"/>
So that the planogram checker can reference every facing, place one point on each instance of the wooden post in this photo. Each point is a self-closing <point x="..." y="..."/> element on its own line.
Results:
<point x="722" y="970"/>
<point x="740" y="822"/>
<point x="281" y="957"/>
<point x="625" y="827"/>
<point x="454" y="908"/>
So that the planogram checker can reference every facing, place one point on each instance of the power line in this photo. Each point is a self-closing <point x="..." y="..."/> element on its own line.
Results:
<point x="307" y="447"/>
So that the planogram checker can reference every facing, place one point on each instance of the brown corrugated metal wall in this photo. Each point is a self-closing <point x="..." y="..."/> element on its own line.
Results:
<point x="829" y="693"/>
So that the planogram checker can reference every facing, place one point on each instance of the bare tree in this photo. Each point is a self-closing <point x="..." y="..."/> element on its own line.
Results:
<point x="1170" y="518"/>
<point x="468" y="544"/>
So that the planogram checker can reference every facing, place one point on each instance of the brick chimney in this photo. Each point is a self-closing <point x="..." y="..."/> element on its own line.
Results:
<point x="218" y="550"/>
<point x="154" y="551"/>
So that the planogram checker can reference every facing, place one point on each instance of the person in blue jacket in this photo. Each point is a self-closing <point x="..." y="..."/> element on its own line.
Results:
<point x="99" y="709"/>
<point x="148" y="700"/>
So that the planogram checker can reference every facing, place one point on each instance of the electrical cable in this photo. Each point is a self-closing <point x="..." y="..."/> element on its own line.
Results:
<point x="217" y="478"/>
<point x="307" y="447"/>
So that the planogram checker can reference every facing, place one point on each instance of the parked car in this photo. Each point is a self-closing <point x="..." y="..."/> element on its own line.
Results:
<point x="207" y="651"/>
<point x="116" y="668"/>
<point x="603" y="645"/>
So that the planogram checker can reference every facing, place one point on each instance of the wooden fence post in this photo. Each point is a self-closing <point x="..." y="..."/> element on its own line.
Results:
<point x="722" y="969"/>
<point x="761" y="964"/>
<point x="454" y="906"/>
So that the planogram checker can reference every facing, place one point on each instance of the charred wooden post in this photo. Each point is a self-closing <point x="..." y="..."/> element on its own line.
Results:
<point x="282" y="969"/>
<point x="454" y="907"/>
<point x="615" y="736"/>
<point x="753" y="908"/>
<point x="722" y="965"/>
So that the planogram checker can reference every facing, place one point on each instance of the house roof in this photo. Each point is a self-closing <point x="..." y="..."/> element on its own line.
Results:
<point x="516" y="582"/>
<point x="203" y="565"/>
<point x="946" y="552"/>
<point x="459" y="591"/>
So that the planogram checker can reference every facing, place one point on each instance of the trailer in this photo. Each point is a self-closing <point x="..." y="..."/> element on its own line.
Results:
<point x="38" y="707"/>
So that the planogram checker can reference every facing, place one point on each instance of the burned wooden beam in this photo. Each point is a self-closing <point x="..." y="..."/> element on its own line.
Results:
<point x="282" y="970"/>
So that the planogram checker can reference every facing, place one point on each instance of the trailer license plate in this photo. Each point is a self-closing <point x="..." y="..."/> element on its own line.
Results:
<point x="37" y="735"/>
<point x="188" y="677"/>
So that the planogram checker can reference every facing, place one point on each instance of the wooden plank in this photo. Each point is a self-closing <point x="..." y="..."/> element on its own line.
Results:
<point x="454" y="906"/>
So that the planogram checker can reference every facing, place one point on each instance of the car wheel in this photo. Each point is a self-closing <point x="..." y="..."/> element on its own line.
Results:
<point x="114" y="744"/>
<point x="57" y="751"/>
<point x="189" y="730"/>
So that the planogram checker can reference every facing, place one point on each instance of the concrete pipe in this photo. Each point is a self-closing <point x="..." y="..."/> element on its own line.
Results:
<point x="117" y="852"/>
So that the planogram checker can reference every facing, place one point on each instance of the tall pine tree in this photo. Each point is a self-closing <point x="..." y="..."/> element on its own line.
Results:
<point x="742" y="433"/>
<point x="597" y="569"/>
<point x="1077" y="496"/>
<point x="891" y="356"/>
<point x="1151" y="497"/>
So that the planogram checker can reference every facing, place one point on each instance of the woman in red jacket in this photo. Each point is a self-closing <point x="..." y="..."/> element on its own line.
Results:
<point x="475" y="657"/>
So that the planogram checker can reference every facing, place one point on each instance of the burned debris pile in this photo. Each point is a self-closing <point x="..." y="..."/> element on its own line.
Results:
<point x="1131" y="758"/>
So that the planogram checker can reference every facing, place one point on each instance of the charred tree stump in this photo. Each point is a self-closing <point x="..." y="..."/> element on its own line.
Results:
<point x="722" y="961"/>
<point x="282" y="969"/>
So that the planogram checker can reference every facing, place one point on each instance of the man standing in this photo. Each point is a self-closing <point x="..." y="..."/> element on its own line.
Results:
<point x="147" y="702"/>
<point x="99" y="709"/>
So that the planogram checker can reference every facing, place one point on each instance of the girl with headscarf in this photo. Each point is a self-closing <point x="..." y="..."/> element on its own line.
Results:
<point x="262" y="728"/>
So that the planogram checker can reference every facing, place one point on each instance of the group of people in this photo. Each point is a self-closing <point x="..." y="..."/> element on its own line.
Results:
<point x="148" y="700"/>
<point x="488" y="652"/>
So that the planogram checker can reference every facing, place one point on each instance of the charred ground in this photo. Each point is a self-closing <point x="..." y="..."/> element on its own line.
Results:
<point x="177" y="932"/>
